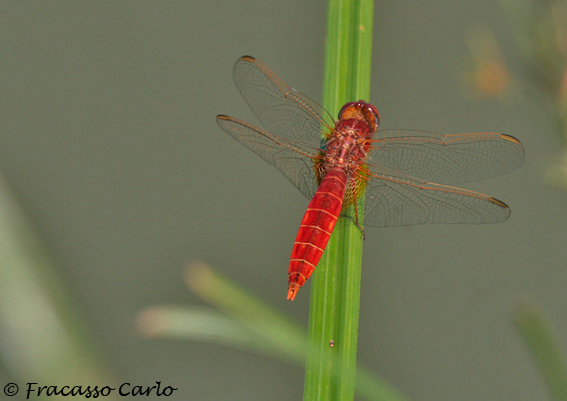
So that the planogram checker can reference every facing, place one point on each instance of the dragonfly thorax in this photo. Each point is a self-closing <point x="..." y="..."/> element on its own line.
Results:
<point x="348" y="145"/>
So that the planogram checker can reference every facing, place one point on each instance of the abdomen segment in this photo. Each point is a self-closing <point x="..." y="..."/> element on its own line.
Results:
<point x="316" y="229"/>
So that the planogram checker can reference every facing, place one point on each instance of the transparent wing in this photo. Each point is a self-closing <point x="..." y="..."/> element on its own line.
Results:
<point x="399" y="200"/>
<point x="445" y="159"/>
<point x="281" y="109"/>
<point x="400" y="166"/>
<point x="295" y="159"/>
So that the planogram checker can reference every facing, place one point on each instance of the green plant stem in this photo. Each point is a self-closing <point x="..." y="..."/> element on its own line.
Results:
<point x="335" y="295"/>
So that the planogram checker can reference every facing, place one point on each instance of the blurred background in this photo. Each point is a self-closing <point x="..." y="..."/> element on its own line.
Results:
<point x="108" y="144"/>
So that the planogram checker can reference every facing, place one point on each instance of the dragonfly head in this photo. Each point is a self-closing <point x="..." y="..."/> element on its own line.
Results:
<point x="361" y="111"/>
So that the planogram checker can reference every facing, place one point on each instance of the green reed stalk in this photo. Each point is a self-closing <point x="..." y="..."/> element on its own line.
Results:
<point x="335" y="294"/>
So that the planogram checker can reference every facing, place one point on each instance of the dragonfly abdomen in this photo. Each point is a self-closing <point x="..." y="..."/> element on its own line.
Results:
<point x="316" y="228"/>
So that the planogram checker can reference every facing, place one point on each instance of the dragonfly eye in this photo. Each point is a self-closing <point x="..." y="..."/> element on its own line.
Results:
<point x="360" y="106"/>
<point x="375" y="112"/>
<point x="346" y="106"/>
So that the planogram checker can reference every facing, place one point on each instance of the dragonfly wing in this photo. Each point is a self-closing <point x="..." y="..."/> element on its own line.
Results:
<point x="400" y="200"/>
<point x="446" y="159"/>
<point x="295" y="160"/>
<point x="281" y="109"/>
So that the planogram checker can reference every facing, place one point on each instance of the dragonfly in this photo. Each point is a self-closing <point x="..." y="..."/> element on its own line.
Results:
<point x="403" y="175"/>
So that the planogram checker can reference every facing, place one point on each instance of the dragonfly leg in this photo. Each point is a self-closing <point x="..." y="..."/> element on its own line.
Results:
<point x="356" y="214"/>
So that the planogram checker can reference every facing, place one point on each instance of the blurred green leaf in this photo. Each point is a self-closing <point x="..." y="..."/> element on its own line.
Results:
<point x="245" y="322"/>
<point x="43" y="338"/>
<point x="541" y="339"/>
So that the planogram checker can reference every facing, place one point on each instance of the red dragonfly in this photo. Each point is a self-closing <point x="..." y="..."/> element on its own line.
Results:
<point x="334" y="162"/>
